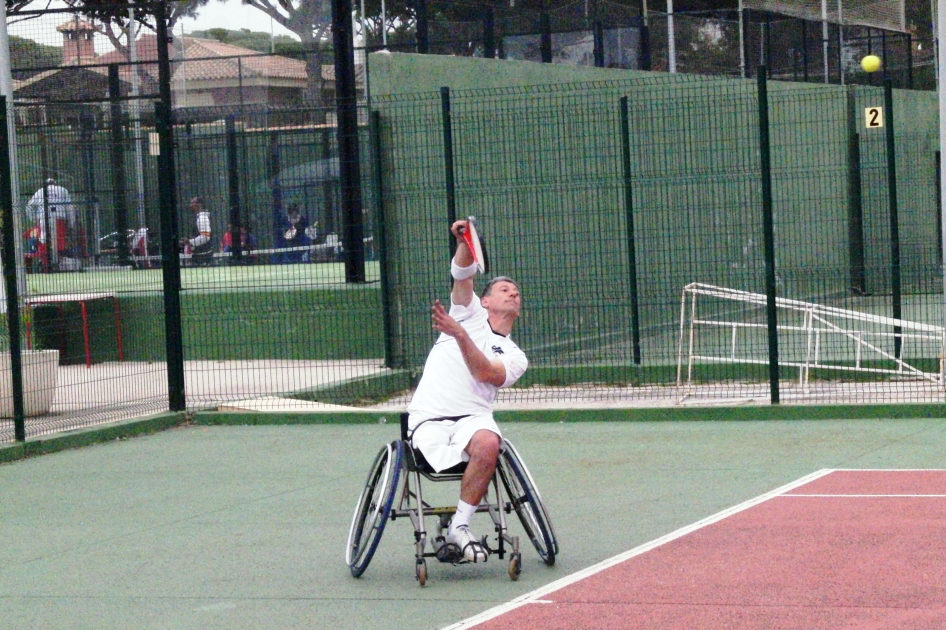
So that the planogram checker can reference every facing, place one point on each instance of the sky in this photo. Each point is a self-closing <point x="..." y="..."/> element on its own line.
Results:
<point x="232" y="15"/>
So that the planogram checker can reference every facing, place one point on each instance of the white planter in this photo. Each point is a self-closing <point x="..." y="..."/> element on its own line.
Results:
<point x="40" y="371"/>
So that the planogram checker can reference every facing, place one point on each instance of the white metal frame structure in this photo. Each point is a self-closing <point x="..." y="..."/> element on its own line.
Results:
<point x="819" y="321"/>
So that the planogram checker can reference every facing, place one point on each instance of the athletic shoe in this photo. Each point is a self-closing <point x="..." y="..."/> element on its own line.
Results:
<point x="473" y="550"/>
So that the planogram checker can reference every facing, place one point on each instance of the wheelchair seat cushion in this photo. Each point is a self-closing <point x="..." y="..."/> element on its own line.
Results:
<point x="422" y="465"/>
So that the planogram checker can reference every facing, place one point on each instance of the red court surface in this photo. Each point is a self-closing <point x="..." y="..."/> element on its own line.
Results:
<point x="836" y="550"/>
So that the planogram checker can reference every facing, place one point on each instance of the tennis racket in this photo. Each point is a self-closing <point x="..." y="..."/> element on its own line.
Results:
<point x="477" y="245"/>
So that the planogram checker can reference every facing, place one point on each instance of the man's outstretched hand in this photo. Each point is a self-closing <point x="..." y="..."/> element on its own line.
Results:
<point x="442" y="322"/>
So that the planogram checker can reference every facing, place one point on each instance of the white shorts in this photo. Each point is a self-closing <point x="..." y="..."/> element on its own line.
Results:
<point x="443" y="441"/>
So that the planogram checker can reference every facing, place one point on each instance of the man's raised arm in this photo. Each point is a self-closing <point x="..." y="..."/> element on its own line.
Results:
<point x="462" y="267"/>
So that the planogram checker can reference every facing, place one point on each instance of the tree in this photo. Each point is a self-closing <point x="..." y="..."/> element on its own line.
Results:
<point x="311" y="20"/>
<point x="245" y="38"/>
<point x="114" y="21"/>
<point x="399" y="17"/>
<point x="28" y="57"/>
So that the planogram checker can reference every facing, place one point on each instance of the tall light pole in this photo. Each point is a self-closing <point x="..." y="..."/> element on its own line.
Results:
<point x="6" y="89"/>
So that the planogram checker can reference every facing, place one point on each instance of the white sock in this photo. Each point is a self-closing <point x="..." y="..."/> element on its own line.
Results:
<point x="465" y="512"/>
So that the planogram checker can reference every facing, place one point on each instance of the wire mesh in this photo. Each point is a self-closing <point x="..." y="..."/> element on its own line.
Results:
<point x="541" y="168"/>
<point x="270" y="318"/>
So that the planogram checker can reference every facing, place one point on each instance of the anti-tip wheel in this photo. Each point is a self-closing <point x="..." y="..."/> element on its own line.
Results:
<point x="420" y="572"/>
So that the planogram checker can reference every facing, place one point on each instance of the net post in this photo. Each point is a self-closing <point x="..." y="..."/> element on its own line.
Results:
<point x="9" y="275"/>
<point x="629" y="226"/>
<point x="769" y="233"/>
<point x="895" y="288"/>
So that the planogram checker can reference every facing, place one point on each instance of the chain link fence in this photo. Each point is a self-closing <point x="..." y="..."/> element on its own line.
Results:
<point x="633" y="212"/>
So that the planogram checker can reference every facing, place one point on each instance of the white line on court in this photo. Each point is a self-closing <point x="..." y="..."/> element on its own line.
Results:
<point x="861" y="496"/>
<point x="538" y="594"/>
<point x="889" y="469"/>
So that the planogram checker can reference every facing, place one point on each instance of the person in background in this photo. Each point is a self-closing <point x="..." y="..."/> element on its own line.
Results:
<point x="199" y="246"/>
<point x="247" y="245"/>
<point x="295" y="233"/>
<point x="54" y="202"/>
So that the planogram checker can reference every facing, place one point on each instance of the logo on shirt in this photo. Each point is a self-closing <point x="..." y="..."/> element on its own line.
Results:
<point x="497" y="350"/>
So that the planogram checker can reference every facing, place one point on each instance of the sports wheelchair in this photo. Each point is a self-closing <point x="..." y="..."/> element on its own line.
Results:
<point x="396" y="475"/>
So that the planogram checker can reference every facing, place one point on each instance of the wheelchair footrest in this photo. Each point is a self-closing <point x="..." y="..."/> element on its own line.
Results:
<point x="450" y="552"/>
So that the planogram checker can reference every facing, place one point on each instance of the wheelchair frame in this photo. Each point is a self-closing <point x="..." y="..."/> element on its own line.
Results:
<point x="376" y="505"/>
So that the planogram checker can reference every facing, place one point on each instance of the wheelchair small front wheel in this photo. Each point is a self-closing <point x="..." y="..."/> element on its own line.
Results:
<point x="526" y="501"/>
<point x="420" y="572"/>
<point x="515" y="566"/>
<point x="374" y="507"/>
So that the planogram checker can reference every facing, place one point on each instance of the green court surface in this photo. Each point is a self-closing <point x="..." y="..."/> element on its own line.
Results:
<point x="245" y="526"/>
<point x="126" y="280"/>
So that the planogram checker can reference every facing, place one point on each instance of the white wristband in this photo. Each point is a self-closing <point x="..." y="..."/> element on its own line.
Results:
<point x="462" y="273"/>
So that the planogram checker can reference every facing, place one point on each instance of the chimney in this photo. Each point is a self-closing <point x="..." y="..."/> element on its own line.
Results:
<point x="78" y="45"/>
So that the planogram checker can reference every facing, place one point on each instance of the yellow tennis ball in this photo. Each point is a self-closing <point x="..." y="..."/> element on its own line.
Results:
<point x="871" y="63"/>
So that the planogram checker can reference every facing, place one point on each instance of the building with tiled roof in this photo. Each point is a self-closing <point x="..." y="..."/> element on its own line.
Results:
<point x="205" y="73"/>
<point x="215" y="74"/>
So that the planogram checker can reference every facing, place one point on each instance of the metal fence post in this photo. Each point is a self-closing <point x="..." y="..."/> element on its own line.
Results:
<point x="643" y="54"/>
<point x="167" y="200"/>
<point x="273" y="166"/>
<point x="379" y="236"/>
<point x="118" y="163"/>
<point x="489" y="33"/>
<point x="422" y="28"/>
<point x="349" y="164"/>
<point x="448" y="160"/>
<point x="599" y="44"/>
<point x="896" y="297"/>
<point x="855" y="210"/>
<point x="233" y="181"/>
<point x="9" y="275"/>
<point x="768" y="227"/>
<point x="545" y="41"/>
<point x="629" y="222"/>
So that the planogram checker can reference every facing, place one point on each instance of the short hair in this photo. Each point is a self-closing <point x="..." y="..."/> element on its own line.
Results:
<point x="50" y="181"/>
<point x="198" y="200"/>
<point x="489" y="285"/>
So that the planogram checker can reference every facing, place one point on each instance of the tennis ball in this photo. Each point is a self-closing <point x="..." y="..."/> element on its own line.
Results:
<point x="871" y="63"/>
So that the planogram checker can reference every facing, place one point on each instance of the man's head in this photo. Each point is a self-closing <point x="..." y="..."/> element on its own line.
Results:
<point x="501" y="297"/>
<point x="50" y="182"/>
<point x="197" y="204"/>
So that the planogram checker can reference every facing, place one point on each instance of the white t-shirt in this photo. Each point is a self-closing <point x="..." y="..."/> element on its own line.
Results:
<point x="203" y="225"/>
<point x="447" y="388"/>
<point x="60" y="204"/>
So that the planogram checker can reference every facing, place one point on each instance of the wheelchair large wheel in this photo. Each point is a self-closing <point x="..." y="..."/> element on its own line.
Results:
<point x="374" y="507"/>
<point x="526" y="501"/>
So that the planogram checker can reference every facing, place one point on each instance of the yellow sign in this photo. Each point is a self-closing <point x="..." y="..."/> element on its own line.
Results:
<point x="874" y="117"/>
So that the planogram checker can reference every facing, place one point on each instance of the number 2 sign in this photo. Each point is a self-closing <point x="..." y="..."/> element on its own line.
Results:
<point x="874" y="117"/>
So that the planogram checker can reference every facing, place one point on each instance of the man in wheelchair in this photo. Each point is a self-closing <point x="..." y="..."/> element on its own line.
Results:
<point x="451" y="413"/>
